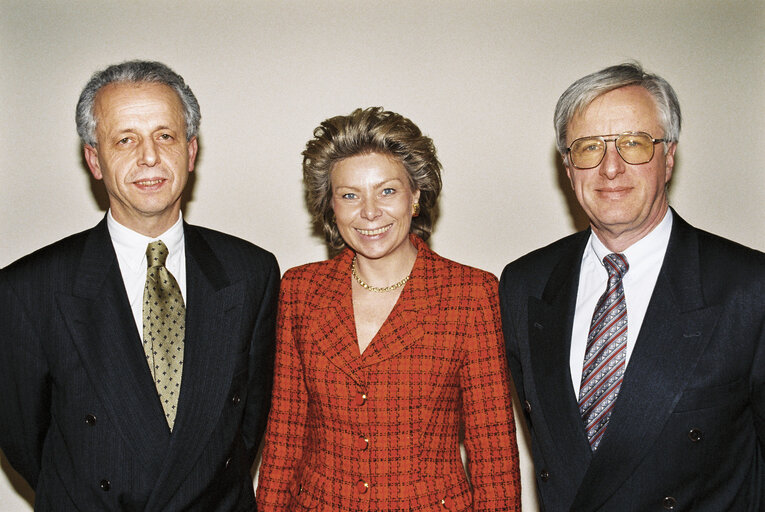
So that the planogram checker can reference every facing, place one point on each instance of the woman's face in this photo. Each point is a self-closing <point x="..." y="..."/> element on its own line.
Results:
<point x="372" y="201"/>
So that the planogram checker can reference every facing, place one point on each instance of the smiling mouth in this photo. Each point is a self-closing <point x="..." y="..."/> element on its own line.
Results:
<point x="371" y="232"/>
<point x="149" y="183"/>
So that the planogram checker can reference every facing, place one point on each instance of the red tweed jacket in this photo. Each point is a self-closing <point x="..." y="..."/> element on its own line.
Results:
<point x="380" y="431"/>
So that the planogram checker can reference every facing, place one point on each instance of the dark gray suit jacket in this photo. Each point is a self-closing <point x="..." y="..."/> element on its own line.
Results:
<point x="688" y="429"/>
<point x="80" y="418"/>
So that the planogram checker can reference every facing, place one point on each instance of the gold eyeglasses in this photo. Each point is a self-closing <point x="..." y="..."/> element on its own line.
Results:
<point x="634" y="147"/>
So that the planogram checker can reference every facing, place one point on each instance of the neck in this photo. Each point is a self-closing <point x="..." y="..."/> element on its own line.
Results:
<point x="387" y="270"/>
<point x="620" y="240"/>
<point x="148" y="226"/>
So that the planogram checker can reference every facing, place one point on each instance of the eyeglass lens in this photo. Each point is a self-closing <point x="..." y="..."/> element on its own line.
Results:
<point x="634" y="148"/>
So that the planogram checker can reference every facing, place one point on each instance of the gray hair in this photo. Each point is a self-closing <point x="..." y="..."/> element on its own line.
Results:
<point x="134" y="71"/>
<point x="581" y="93"/>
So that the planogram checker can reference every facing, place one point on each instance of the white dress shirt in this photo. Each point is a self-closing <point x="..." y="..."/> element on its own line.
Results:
<point x="130" y="247"/>
<point x="645" y="258"/>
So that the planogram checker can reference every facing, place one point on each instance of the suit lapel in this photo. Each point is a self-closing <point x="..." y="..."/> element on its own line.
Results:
<point x="331" y="324"/>
<point x="550" y="323"/>
<point x="102" y="328"/>
<point x="403" y="327"/>
<point x="675" y="331"/>
<point x="210" y="354"/>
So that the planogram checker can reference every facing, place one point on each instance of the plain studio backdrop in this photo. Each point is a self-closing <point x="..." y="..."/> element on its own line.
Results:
<point x="480" y="77"/>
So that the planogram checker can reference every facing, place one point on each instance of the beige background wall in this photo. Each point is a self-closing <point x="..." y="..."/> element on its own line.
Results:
<point x="479" y="77"/>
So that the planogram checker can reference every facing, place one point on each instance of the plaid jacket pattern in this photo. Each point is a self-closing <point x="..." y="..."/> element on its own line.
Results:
<point x="380" y="431"/>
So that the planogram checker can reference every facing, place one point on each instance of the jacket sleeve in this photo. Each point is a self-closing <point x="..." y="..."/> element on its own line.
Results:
<point x="261" y="362"/>
<point x="487" y="409"/>
<point x="25" y="386"/>
<point x="286" y="431"/>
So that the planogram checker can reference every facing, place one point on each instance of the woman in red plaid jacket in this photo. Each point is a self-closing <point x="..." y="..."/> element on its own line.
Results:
<point x="388" y="351"/>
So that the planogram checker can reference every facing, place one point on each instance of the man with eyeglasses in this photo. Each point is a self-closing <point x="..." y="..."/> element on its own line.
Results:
<point x="637" y="346"/>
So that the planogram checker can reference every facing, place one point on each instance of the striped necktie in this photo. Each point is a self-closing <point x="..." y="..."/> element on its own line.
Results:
<point x="606" y="355"/>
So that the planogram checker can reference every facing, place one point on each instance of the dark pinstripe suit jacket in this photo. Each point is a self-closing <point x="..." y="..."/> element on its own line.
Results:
<point x="379" y="431"/>
<point x="687" y="432"/>
<point x="80" y="418"/>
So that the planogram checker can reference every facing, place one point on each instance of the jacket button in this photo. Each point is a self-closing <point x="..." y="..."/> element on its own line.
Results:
<point x="235" y="399"/>
<point x="544" y="475"/>
<point x="361" y="443"/>
<point x="527" y="406"/>
<point x="90" y="419"/>
<point x="447" y="504"/>
<point x="695" y="435"/>
<point x="361" y="487"/>
<point x="105" y="485"/>
<point x="228" y="463"/>
<point x="360" y="399"/>
<point x="669" y="503"/>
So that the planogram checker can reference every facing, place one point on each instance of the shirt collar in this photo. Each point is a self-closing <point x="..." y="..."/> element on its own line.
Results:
<point x="653" y="243"/>
<point x="132" y="245"/>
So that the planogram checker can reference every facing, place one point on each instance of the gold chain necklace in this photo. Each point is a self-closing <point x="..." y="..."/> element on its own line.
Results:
<point x="374" y="288"/>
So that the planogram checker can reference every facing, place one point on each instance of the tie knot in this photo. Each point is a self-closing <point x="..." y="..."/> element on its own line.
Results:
<point x="156" y="254"/>
<point x="616" y="265"/>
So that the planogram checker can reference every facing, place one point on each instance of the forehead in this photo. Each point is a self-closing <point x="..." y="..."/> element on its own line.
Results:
<point x="130" y="101"/>
<point x="368" y="167"/>
<point x="630" y="108"/>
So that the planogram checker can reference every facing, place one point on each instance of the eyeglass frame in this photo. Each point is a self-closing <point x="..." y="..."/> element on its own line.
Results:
<point x="615" y="136"/>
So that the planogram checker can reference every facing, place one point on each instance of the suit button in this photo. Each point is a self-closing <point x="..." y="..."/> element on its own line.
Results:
<point x="235" y="399"/>
<point x="361" y="487"/>
<point x="228" y="462"/>
<point x="527" y="406"/>
<point x="90" y="419"/>
<point x="105" y="485"/>
<point x="695" y="435"/>
<point x="447" y="504"/>
<point x="361" y="443"/>
<point x="360" y="399"/>
<point x="669" y="503"/>
<point x="544" y="475"/>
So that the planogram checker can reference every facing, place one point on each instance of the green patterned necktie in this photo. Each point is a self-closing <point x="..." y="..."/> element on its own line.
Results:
<point x="164" y="319"/>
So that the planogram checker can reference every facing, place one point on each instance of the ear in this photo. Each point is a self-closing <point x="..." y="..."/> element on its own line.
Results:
<point x="91" y="157"/>
<point x="416" y="196"/>
<point x="568" y="171"/>
<point x="193" y="147"/>
<point x="669" y="162"/>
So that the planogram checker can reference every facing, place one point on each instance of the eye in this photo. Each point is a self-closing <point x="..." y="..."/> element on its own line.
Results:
<point x="592" y="147"/>
<point x="388" y="191"/>
<point x="166" y="136"/>
<point x="123" y="140"/>
<point x="349" y="195"/>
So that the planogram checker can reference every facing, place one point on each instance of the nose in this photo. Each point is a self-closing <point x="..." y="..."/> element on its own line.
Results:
<point x="149" y="156"/>
<point x="612" y="164"/>
<point x="370" y="210"/>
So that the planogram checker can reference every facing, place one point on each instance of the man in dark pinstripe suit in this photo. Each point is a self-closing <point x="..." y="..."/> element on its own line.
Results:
<point x="81" y="419"/>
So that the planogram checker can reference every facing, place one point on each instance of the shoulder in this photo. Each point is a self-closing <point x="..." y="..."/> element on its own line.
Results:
<point x="234" y="252"/>
<point x="59" y="257"/>
<point x="440" y="267"/>
<point x="724" y="263"/>
<point x="540" y="262"/>
<point x="716" y="249"/>
<point x="451" y="281"/>
<point x="316" y="275"/>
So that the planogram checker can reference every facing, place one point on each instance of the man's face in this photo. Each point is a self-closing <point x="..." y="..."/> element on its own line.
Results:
<point x="142" y="154"/>
<point x="624" y="202"/>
